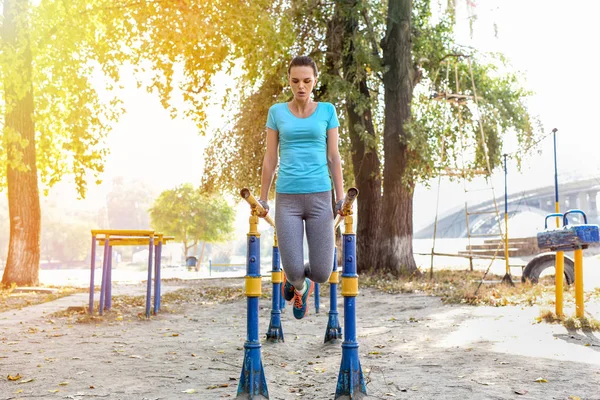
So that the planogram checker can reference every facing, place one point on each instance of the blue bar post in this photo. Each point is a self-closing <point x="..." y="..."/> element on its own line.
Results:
<point x="334" y="329"/>
<point x="350" y="380"/>
<point x="275" y="332"/>
<point x="92" y="271"/>
<point x="104" y="277"/>
<point x="252" y="379"/>
<point x="157" y="257"/>
<point x="108" y="287"/>
<point x="149" y="283"/>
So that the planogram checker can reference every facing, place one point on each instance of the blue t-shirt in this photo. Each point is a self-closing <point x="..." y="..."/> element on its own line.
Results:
<point x="303" y="164"/>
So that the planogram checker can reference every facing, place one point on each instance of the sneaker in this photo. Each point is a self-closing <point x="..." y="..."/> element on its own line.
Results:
<point x="287" y="290"/>
<point x="301" y="301"/>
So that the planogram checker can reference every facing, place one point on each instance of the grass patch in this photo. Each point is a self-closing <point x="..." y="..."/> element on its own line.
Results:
<point x="573" y="323"/>
<point x="12" y="300"/>
<point x="461" y="287"/>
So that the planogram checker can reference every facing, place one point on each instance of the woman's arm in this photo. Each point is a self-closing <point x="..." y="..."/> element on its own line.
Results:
<point x="335" y="163"/>
<point x="269" y="163"/>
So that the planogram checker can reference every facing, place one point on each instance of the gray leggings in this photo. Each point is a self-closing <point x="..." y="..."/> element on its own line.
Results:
<point x="292" y="212"/>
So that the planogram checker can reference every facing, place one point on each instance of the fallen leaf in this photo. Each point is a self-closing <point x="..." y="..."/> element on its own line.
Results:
<point x="14" y="378"/>
<point x="26" y="380"/>
<point x="374" y="352"/>
<point x="541" y="380"/>
<point x="175" y="334"/>
<point x="19" y="391"/>
<point x="63" y="384"/>
<point x="521" y="391"/>
<point x="92" y="387"/>
<point x="574" y="398"/>
<point x="189" y="391"/>
<point x="54" y="391"/>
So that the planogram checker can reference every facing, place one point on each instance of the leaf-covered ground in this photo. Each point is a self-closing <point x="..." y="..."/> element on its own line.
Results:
<point x="412" y="346"/>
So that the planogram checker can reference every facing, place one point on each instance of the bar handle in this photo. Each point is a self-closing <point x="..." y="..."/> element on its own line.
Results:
<point x="550" y="216"/>
<point x="351" y="195"/>
<point x="574" y="211"/>
<point x="255" y="205"/>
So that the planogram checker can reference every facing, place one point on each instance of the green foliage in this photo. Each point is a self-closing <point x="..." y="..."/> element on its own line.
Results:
<point x="447" y="134"/>
<point x="191" y="215"/>
<point x="440" y="134"/>
<point x="74" y="45"/>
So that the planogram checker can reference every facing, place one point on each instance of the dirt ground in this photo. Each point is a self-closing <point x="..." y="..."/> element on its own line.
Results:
<point x="411" y="347"/>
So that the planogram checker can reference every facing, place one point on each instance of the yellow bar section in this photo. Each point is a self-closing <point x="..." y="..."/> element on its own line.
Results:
<point x="349" y="286"/>
<point x="253" y="286"/>
<point x="253" y="226"/>
<point x="560" y="277"/>
<point x="351" y="195"/>
<point x="255" y="205"/>
<point x="122" y="232"/>
<point x="337" y="222"/>
<point x="506" y="242"/>
<point x="275" y="242"/>
<point x="349" y="224"/>
<point x="557" y="206"/>
<point x="334" y="277"/>
<point x="579" y="283"/>
<point x="277" y="277"/>
<point x="125" y="242"/>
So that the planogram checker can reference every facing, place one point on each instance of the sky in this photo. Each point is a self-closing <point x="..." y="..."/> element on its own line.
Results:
<point x="551" y="43"/>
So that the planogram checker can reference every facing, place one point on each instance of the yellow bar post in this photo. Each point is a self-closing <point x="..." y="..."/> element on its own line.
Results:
<point x="557" y="207"/>
<point x="559" y="279"/>
<point x="579" y="283"/>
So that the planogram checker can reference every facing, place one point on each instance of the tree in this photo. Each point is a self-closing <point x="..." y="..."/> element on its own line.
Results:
<point x="192" y="216"/>
<point x="359" y="68"/>
<point x="19" y="142"/>
<point x="54" y="121"/>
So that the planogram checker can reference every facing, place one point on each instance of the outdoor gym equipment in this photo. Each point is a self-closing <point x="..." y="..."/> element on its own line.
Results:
<point x="252" y="383"/>
<point x="576" y="237"/>
<point x="114" y="237"/>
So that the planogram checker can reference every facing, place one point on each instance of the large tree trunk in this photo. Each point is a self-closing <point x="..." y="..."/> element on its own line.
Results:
<point x="396" y="247"/>
<point x="22" y="265"/>
<point x="365" y="160"/>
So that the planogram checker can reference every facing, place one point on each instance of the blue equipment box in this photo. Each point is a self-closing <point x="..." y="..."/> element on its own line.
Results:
<point x="568" y="237"/>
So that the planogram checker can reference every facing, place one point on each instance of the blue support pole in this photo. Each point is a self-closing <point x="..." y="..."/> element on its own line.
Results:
<point x="157" y="257"/>
<point x="275" y="332"/>
<point x="109" y="279"/>
<point x="317" y="297"/>
<point x="350" y="380"/>
<point x="209" y="267"/>
<point x="334" y="329"/>
<point x="149" y="283"/>
<point x="92" y="271"/>
<point x="252" y="379"/>
<point x="104" y="277"/>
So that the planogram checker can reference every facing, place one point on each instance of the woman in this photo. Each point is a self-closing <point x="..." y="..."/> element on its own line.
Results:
<point x="306" y="134"/>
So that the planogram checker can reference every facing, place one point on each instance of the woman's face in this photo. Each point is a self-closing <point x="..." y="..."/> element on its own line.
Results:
<point x="302" y="81"/>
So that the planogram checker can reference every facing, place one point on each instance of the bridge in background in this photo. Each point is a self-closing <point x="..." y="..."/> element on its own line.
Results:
<point x="526" y="211"/>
